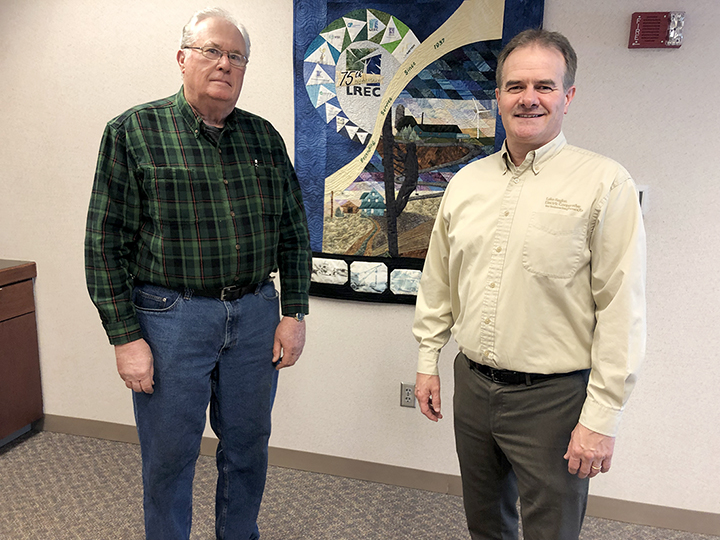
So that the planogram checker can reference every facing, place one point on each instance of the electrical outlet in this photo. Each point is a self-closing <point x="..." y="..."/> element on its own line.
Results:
<point x="407" y="395"/>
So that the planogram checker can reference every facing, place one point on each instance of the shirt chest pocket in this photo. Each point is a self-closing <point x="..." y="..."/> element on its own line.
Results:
<point x="269" y="190"/>
<point x="256" y="199"/>
<point x="182" y="201"/>
<point x="554" y="244"/>
<point x="179" y="195"/>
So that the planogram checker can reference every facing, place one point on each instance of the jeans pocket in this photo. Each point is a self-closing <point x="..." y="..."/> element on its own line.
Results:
<point x="268" y="291"/>
<point x="152" y="298"/>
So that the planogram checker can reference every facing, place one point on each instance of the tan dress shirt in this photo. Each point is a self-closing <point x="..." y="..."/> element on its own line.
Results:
<point x="540" y="268"/>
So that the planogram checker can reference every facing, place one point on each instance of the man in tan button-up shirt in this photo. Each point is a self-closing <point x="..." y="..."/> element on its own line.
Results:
<point x="536" y="266"/>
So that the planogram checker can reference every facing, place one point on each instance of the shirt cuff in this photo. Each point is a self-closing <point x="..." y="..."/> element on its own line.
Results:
<point x="294" y="301"/>
<point x="290" y="309"/>
<point x="600" y="419"/>
<point x="122" y="332"/>
<point x="428" y="362"/>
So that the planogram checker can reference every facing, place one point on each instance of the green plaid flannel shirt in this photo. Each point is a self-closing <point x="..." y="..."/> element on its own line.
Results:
<point x="171" y="207"/>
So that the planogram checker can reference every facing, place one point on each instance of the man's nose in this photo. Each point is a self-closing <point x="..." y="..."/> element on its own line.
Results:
<point x="529" y="97"/>
<point x="224" y="62"/>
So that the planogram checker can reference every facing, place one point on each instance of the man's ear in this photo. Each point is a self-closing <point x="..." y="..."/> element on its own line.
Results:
<point x="569" y="95"/>
<point x="181" y="60"/>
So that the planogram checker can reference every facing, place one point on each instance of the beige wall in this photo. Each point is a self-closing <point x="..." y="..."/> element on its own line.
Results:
<point x="68" y="67"/>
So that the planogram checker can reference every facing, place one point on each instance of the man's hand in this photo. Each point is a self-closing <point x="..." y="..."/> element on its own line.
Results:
<point x="589" y="452"/>
<point x="289" y="342"/>
<point x="427" y="392"/>
<point x="135" y="365"/>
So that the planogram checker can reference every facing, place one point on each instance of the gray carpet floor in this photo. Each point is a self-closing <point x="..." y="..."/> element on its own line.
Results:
<point x="64" y="487"/>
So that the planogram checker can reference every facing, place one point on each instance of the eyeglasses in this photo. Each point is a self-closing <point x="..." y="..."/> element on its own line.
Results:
<point x="213" y="53"/>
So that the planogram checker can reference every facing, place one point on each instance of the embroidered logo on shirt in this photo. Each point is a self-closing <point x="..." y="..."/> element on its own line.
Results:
<point x="562" y="204"/>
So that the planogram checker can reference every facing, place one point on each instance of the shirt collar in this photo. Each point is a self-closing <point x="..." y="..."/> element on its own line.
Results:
<point x="194" y="120"/>
<point x="535" y="159"/>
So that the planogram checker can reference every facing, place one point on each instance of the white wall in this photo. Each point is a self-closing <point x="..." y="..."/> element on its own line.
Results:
<point x="649" y="110"/>
<point x="68" y="67"/>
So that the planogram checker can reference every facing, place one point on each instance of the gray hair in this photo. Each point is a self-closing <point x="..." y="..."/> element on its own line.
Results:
<point x="543" y="38"/>
<point x="189" y="35"/>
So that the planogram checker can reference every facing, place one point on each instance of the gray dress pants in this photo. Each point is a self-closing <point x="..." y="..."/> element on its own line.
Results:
<point x="511" y="440"/>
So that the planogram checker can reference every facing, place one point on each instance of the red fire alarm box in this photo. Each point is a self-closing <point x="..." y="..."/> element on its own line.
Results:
<point x="656" y="30"/>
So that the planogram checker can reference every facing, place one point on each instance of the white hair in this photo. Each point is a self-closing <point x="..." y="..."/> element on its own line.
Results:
<point x="189" y="35"/>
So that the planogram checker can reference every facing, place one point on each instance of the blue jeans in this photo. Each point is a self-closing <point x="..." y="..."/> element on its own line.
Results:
<point x="206" y="351"/>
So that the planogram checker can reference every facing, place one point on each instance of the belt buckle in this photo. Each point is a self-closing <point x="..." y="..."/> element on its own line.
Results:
<point x="494" y="376"/>
<point x="225" y="291"/>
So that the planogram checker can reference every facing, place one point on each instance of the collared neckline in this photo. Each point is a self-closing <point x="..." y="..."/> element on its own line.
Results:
<point x="194" y="120"/>
<point x="535" y="159"/>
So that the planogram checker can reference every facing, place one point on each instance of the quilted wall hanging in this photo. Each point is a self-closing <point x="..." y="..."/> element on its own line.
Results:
<point x="391" y="100"/>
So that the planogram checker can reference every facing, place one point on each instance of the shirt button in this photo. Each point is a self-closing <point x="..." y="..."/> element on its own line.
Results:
<point x="487" y="321"/>
<point x="498" y="249"/>
<point x="219" y="151"/>
<point x="237" y="247"/>
<point x="507" y="213"/>
<point x="232" y="214"/>
<point x="486" y="354"/>
<point x="225" y="182"/>
<point x="236" y="278"/>
<point x="492" y="285"/>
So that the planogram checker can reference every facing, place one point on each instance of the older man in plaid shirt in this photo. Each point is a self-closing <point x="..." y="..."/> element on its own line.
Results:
<point x="195" y="203"/>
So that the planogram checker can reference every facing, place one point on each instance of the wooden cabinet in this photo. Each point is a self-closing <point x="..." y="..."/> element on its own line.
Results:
<point x="20" y="391"/>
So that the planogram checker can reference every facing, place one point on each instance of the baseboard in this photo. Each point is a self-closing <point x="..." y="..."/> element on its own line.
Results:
<point x="366" y="470"/>
<point x="601" y="507"/>
<point x="105" y="430"/>
<point x="663" y="517"/>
